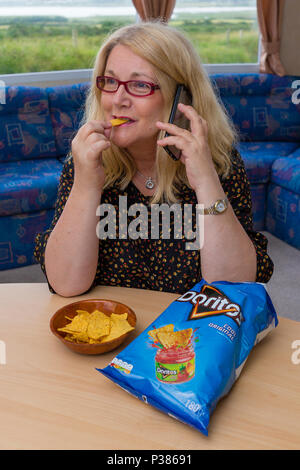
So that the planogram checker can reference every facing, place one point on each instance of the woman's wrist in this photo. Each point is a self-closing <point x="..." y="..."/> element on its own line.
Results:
<point x="209" y="188"/>
<point x="83" y="187"/>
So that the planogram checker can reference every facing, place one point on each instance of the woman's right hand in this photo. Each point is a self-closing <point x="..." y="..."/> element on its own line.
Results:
<point x="87" y="147"/>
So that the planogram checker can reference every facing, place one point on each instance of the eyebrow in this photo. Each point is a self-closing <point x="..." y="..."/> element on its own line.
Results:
<point x="133" y="75"/>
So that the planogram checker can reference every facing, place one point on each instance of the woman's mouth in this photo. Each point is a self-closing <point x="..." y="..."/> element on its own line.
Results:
<point x="128" y="121"/>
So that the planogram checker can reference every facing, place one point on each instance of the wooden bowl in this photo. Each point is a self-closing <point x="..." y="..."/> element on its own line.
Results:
<point x="106" y="306"/>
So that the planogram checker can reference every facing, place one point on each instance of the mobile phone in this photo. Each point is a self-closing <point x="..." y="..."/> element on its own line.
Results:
<point x="182" y="95"/>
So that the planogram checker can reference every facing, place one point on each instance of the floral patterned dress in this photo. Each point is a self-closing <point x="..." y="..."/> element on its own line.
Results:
<point x="159" y="262"/>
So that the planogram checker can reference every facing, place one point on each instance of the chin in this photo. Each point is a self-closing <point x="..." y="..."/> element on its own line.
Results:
<point x="134" y="142"/>
<point x="122" y="143"/>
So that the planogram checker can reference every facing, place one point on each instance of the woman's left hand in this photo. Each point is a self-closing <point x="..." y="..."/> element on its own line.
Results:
<point x="196" y="154"/>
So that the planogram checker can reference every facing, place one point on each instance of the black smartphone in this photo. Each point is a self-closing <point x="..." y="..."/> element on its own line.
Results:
<point x="182" y="95"/>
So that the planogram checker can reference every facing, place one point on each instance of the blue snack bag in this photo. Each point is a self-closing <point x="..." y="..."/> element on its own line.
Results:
<point x="191" y="355"/>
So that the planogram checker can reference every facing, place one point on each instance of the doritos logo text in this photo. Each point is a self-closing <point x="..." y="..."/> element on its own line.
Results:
<point x="211" y="301"/>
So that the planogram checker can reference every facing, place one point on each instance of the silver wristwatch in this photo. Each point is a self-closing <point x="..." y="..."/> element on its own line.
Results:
<point x="217" y="208"/>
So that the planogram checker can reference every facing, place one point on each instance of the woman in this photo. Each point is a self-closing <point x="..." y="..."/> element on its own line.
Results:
<point x="135" y="77"/>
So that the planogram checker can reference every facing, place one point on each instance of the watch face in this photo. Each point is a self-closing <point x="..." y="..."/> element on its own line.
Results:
<point x="220" y="206"/>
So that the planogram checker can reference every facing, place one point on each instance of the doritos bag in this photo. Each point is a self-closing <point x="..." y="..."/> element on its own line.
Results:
<point x="191" y="355"/>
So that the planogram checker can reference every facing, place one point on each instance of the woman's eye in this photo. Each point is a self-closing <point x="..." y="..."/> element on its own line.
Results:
<point x="110" y="81"/>
<point x="141" y="85"/>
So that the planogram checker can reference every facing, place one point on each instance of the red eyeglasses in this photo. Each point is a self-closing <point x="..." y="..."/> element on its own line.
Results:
<point x="133" y="87"/>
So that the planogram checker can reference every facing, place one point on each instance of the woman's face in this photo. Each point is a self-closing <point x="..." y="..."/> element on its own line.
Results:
<point x="140" y="134"/>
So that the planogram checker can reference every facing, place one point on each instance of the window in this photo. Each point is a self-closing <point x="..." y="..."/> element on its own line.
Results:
<point x="43" y="35"/>
<point x="224" y="31"/>
<point x="57" y="40"/>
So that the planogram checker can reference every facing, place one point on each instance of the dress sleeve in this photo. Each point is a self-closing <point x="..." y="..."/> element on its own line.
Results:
<point x="237" y="189"/>
<point x="64" y="188"/>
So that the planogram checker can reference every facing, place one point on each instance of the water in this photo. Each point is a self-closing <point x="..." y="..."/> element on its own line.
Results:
<point x="86" y="11"/>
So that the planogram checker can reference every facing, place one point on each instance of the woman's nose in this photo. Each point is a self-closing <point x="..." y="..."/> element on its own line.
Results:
<point x="121" y="96"/>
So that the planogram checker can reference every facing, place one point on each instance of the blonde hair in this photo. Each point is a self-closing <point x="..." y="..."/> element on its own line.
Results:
<point x="175" y="61"/>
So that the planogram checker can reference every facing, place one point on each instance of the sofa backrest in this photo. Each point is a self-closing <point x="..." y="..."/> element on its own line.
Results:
<point x="66" y="103"/>
<point x="25" y="126"/>
<point x="37" y="122"/>
<point x="260" y="105"/>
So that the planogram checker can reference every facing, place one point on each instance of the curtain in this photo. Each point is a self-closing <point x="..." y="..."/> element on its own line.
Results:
<point x="269" y="15"/>
<point x="154" y="9"/>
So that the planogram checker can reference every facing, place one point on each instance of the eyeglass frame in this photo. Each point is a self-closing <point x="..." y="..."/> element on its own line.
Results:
<point x="120" y="82"/>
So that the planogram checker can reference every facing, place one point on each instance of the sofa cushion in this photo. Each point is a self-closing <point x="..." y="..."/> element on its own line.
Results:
<point x="66" y="109"/>
<point x="282" y="218"/>
<point x="259" y="157"/>
<point x="296" y="153"/>
<point x="17" y="237"/>
<point x="286" y="173"/>
<point x="25" y="125"/>
<point x="261" y="105"/>
<point x="29" y="185"/>
<point x="259" y="197"/>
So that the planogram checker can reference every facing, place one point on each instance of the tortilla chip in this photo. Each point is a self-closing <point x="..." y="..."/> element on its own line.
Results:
<point x="166" y="328"/>
<point x="95" y="327"/>
<point x="120" y="315"/>
<point x="84" y="313"/>
<point x="79" y="323"/>
<point x="78" y="337"/>
<point x="99" y="325"/>
<point x="175" y="338"/>
<point x="119" y="326"/>
<point x="118" y="122"/>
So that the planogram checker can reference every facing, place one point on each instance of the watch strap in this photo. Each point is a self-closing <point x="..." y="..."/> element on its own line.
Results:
<point x="212" y="210"/>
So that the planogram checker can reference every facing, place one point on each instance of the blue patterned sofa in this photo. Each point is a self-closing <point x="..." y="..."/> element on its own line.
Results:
<point x="37" y="125"/>
<point x="268" y="122"/>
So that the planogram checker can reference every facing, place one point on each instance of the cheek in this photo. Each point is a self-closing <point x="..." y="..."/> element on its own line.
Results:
<point x="150" y="117"/>
<point x="154" y="113"/>
<point x="105" y="102"/>
<point x="160" y="111"/>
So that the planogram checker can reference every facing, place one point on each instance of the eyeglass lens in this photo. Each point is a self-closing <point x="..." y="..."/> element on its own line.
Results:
<point x="133" y="86"/>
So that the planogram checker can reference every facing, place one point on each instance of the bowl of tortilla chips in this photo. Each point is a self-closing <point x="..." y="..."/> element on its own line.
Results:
<point x="93" y="326"/>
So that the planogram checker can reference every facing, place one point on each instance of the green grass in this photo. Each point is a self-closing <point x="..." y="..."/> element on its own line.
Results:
<point x="219" y="49"/>
<point x="220" y="41"/>
<point x="44" y="44"/>
<point x="48" y="54"/>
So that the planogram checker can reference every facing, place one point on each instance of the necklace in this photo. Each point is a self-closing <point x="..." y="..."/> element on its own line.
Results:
<point x="149" y="183"/>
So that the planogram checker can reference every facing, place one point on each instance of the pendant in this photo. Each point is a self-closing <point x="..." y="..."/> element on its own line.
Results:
<point x="149" y="183"/>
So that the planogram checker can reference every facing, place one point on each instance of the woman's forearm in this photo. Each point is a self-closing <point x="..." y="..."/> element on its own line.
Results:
<point x="227" y="253"/>
<point x="71" y="255"/>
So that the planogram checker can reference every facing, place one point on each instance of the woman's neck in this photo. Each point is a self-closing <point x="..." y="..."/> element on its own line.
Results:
<point x="144" y="160"/>
<point x="145" y="177"/>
